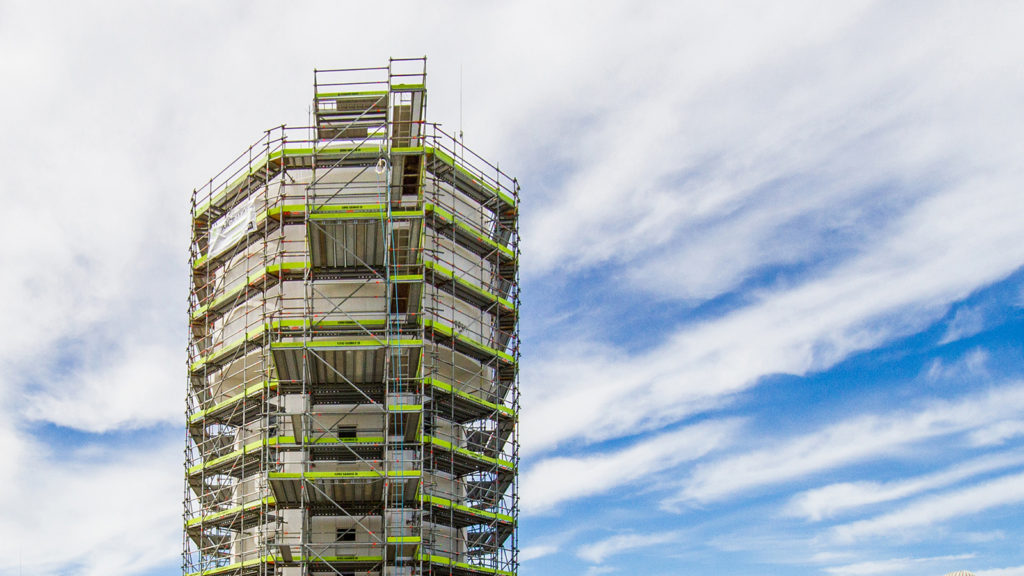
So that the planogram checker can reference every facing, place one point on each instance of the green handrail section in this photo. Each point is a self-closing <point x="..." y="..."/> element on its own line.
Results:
<point x="276" y="159"/>
<point x="473" y="178"/>
<point x="227" y="349"/>
<point x="342" y="210"/>
<point x="252" y="279"/>
<point x="428" y="323"/>
<point x="446" y="387"/>
<point x="325" y="559"/>
<point x="283" y="155"/>
<point x="230" y="567"/>
<point x="335" y="95"/>
<point x="230" y="295"/>
<point x="449" y="332"/>
<point x="344" y="344"/>
<point x="445" y="272"/>
<point x="349" y="474"/>
<point x="342" y="215"/>
<point x="258" y="332"/>
<point x="446" y="503"/>
<point x="445" y="445"/>
<point x="469" y="229"/>
<point x="250" y="392"/>
<point x="282" y="442"/>
<point x="279" y="559"/>
<point x="269" y="501"/>
<point x="445" y="561"/>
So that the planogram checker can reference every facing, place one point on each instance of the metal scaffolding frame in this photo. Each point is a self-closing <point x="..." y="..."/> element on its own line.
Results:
<point x="353" y="354"/>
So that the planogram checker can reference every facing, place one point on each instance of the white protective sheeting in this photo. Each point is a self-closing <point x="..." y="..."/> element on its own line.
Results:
<point x="231" y="227"/>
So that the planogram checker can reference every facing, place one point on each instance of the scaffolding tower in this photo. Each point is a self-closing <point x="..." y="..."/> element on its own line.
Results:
<point x="353" y="352"/>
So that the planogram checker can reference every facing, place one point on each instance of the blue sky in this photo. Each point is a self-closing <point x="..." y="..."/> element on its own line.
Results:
<point x="773" y="283"/>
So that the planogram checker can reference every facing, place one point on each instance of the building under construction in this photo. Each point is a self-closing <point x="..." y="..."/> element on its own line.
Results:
<point x="353" y="350"/>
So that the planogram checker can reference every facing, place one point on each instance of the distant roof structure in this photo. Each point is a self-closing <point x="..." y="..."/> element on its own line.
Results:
<point x="961" y="573"/>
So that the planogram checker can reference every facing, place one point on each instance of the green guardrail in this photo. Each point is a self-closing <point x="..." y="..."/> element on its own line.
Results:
<point x="446" y="387"/>
<point x="465" y="452"/>
<point x="450" y="274"/>
<point x="479" y="235"/>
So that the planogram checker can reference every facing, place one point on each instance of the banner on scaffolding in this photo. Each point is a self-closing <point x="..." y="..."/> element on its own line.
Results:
<point x="231" y="227"/>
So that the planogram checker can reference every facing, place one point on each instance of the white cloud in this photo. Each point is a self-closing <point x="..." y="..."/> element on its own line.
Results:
<point x="998" y="433"/>
<point x="966" y="322"/>
<point x="554" y="480"/>
<point x="136" y="387"/>
<point x="1009" y="571"/>
<point x="598" y="552"/>
<point x="527" y="553"/>
<point x="849" y="441"/>
<point x="920" y="515"/>
<point x="827" y="501"/>
<point x="784" y="152"/>
<point x="943" y="249"/>
<point x="970" y="367"/>
<point x="893" y="565"/>
<point x="93" y="510"/>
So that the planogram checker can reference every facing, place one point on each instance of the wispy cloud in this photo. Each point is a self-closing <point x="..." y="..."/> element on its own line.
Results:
<point x="828" y="501"/>
<point x="966" y="322"/>
<point x="997" y="433"/>
<point x="601" y="550"/>
<point x="1009" y="571"/>
<point x="896" y="565"/>
<point x="104" y="395"/>
<point x="554" y="480"/>
<point x="93" y="503"/>
<point x="849" y="441"/>
<point x="913" y="519"/>
<point x="924" y="267"/>
<point x="533" y="552"/>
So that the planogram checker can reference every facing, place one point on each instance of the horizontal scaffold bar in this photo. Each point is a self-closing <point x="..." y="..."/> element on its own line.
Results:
<point x="256" y="390"/>
<point x="447" y="273"/>
<point x="318" y="559"/>
<point x="251" y="392"/>
<point x="231" y="567"/>
<point x="473" y="178"/>
<point x="356" y="94"/>
<point x="275" y="160"/>
<point x="445" y="561"/>
<point x="449" y="332"/>
<point x="318" y="212"/>
<point x="278" y="559"/>
<point x="284" y="442"/>
<point x="369" y="343"/>
<point x="469" y="230"/>
<point x="445" y="445"/>
<point x="250" y="280"/>
<point x="444" y="386"/>
<point x="259" y="331"/>
<point x="427" y="323"/>
<point x="269" y="501"/>
<point x="348" y="474"/>
<point x="446" y="503"/>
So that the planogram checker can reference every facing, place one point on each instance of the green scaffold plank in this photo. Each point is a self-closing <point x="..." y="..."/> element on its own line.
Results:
<point x="466" y="284"/>
<point x="480" y="236"/>
<point x="446" y="387"/>
<point x="469" y="453"/>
